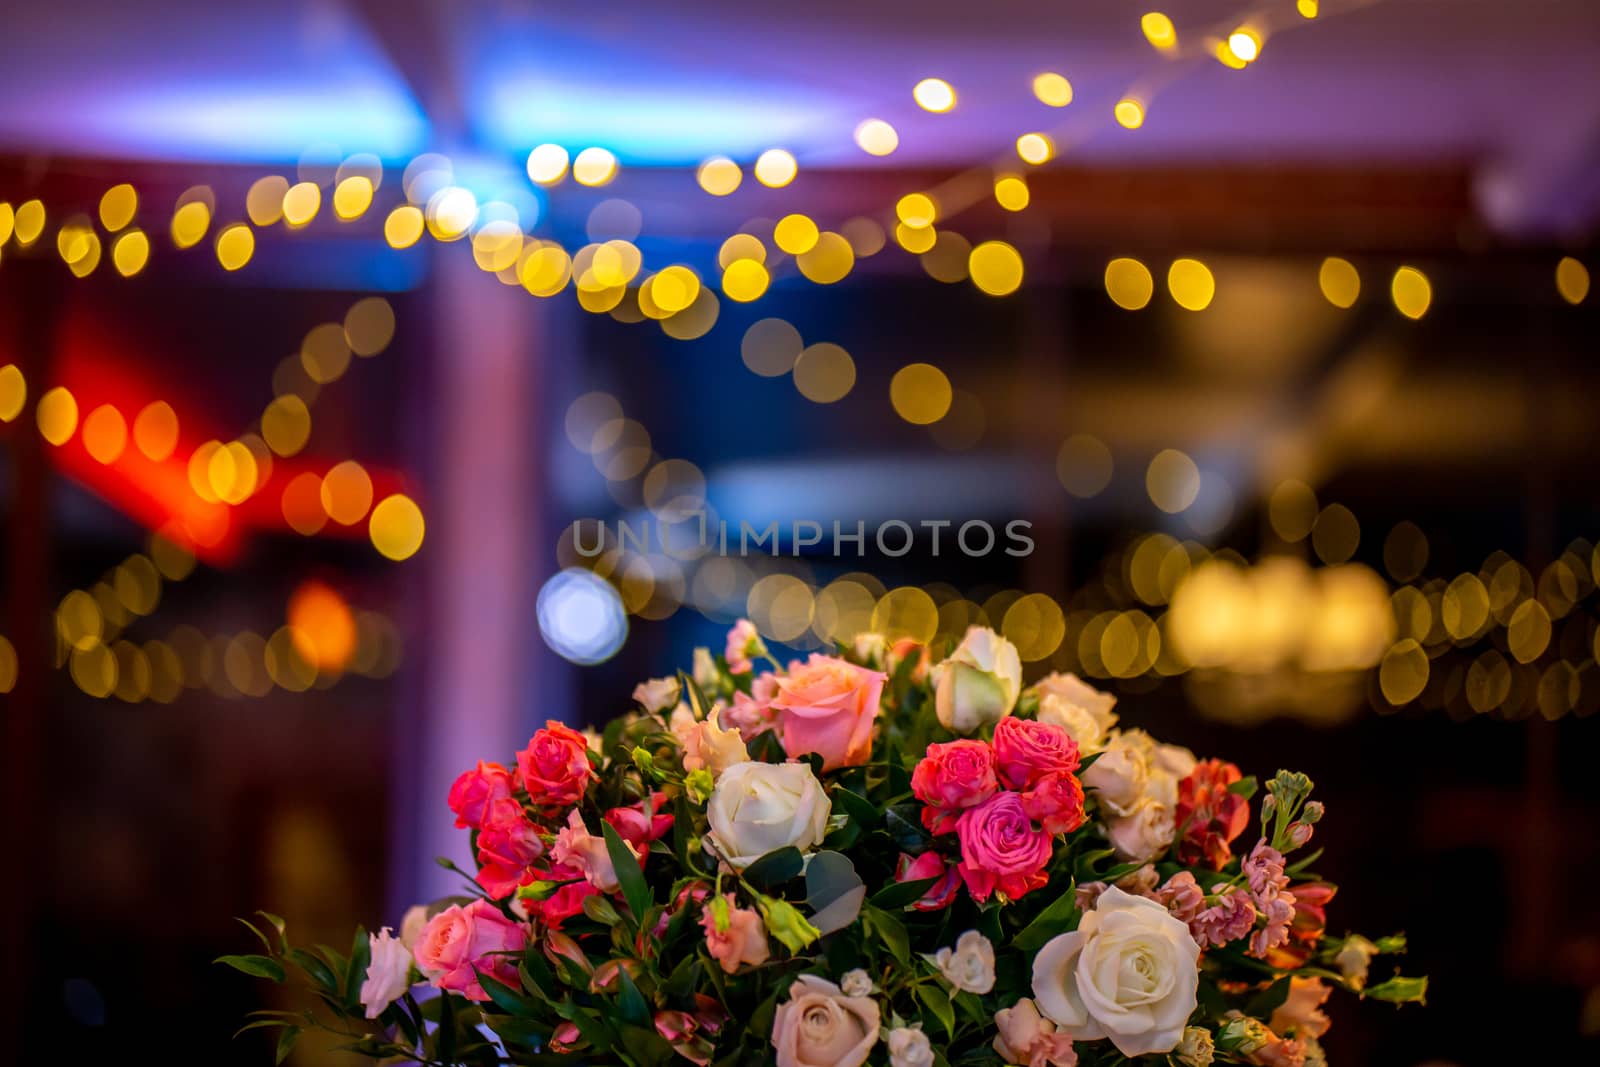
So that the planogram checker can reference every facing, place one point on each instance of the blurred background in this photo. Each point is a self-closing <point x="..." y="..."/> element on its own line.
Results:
<point x="377" y="382"/>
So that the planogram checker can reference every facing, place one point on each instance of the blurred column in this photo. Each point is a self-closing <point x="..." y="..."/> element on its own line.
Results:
<point x="476" y="634"/>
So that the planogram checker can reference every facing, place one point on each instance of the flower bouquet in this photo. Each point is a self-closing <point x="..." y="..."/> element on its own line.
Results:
<point x="873" y="856"/>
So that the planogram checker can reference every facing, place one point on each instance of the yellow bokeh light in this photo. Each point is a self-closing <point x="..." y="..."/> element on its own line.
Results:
<point x="1011" y="192"/>
<point x="233" y="472"/>
<point x="1339" y="281"/>
<point x="866" y="237"/>
<point x="719" y="175"/>
<point x="1172" y="480"/>
<point x="1528" y="633"/>
<point x="770" y="347"/>
<point x="302" y="504"/>
<point x="1191" y="284"/>
<point x="13" y="392"/>
<point x="130" y="253"/>
<point x="352" y="197"/>
<point x="117" y="207"/>
<point x="906" y="612"/>
<point x="547" y="164"/>
<point x="674" y="288"/>
<point x="1035" y="148"/>
<point x="1159" y="31"/>
<point x="546" y="270"/>
<point x="1129" y="284"/>
<point x="1292" y="510"/>
<point x="1336" y="534"/>
<point x="57" y="415"/>
<point x="920" y="393"/>
<point x="741" y="246"/>
<point x="451" y="212"/>
<point x="8" y="221"/>
<point x="876" y="137"/>
<point x="775" y="168"/>
<point x="1403" y="674"/>
<point x="1245" y="43"/>
<point x="347" y="493"/>
<point x="1129" y="113"/>
<point x="27" y="223"/>
<point x="1307" y="8"/>
<point x="396" y="527"/>
<point x="286" y="424"/>
<point x="235" y="245"/>
<point x="934" y="94"/>
<point x="264" y="202"/>
<point x="1036" y="625"/>
<point x="301" y="202"/>
<point x="745" y="280"/>
<point x="1411" y="291"/>
<point x="1572" y="280"/>
<point x="1052" y="89"/>
<point x="695" y="320"/>
<point x="369" y="326"/>
<point x="155" y="431"/>
<point x="199" y="469"/>
<point x="824" y="373"/>
<point x="325" y="353"/>
<point x="94" y="669"/>
<point x="996" y="268"/>
<point x="105" y="434"/>
<point x="795" y="234"/>
<point x="828" y="261"/>
<point x="403" y="227"/>
<point x="914" y="239"/>
<point x="916" y="210"/>
<point x="947" y="260"/>
<point x="594" y="167"/>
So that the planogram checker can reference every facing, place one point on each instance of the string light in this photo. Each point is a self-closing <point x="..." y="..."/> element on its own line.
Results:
<point x="1159" y="31"/>
<point x="1052" y="89"/>
<point x="1129" y="113"/>
<point x="547" y="164"/>
<point x="934" y="94"/>
<point x="775" y="168"/>
<point x="876" y="137"/>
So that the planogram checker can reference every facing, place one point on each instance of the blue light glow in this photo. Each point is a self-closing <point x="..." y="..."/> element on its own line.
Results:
<point x="581" y="617"/>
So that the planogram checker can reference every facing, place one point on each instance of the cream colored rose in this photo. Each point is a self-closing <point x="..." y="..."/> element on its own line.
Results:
<point x="1128" y="973"/>
<point x="1196" y="1048"/>
<point x="856" y="983"/>
<point x="818" y="1026"/>
<point x="1144" y="834"/>
<point x="979" y="683"/>
<point x="970" y="965"/>
<point x="1072" y="690"/>
<point x="705" y="669"/>
<point x="411" y="924"/>
<point x="758" y="807"/>
<point x="709" y="747"/>
<point x="1080" y="724"/>
<point x="1120" y="775"/>
<point x="658" y="694"/>
<point x="910" y="1047"/>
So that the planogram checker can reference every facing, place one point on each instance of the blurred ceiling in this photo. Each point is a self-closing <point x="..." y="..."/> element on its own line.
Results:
<point x="1506" y="91"/>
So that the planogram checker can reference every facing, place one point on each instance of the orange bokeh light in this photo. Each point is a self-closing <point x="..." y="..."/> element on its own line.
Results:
<point x="322" y="626"/>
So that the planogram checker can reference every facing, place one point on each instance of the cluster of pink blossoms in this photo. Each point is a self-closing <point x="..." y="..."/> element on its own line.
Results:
<point x="1006" y="801"/>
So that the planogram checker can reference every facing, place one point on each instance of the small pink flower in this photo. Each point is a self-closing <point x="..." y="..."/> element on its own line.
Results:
<point x="1228" y="919"/>
<point x="1183" y="897"/>
<point x="555" y="766"/>
<point x="508" y="845"/>
<point x="1278" y="912"/>
<point x="744" y="643"/>
<point x="1055" y="801"/>
<point x="1001" y="849"/>
<point x="475" y="790"/>
<point x="929" y="865"/>
<point x="1264" y="870"/>
<point x="632" y="825"/>
<point x="460" y="942"/>
<point x="752" y="713"/>
<point x="1084" y="894"/>
<point x="1278" y="1052"/>
<point x="565" y="1038"/>
<point x="1026" y="750"/>
<point x="1026" y="1037"/>
<point x="576" y="847"/>
<point x="829" y="707"/>
<point x="953" y="776"/>
<point x="743" y="939"/>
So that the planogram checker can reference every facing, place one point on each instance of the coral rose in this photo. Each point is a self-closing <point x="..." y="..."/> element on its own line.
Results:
<point x="555" y="766"/>
<point x="953" y="776"/>
<point x="508" y="844"/>
<point x="475" y="790"/>
<point x="1055" y="802"/>
<point x="734" y="935"/>
<point x="1026" y="750"/>
<point x="460" y="942"/>
<point x="828" y="707"/>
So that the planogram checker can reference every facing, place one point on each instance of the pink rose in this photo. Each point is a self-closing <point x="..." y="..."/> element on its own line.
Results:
<point x="1029" y="1038"/>
<point x="952" y="776"/>
<point x="631" y="824"/>
<point x="1001" y="849"/>
<point x="929" y="865"/>
<point x="818" y="1026"/>
<point x="744" y="643"/>
<point x="829" y="707"/>
<point x="475" y="790"/>
<point x="555" y="766"/>
<point x="740" y="938"/>
<point x="508" y="843"/>
<point x="1055" y="801"/>
<point x="576" y="847"/>
<point x="461" y="941"/>
<point x="565" y="902"/>
<point x="1026" y="750"/>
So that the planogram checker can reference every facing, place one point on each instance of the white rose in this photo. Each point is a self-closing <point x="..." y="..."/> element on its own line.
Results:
<point x="979" y="683"/>
<point x="1144" y="834"/>
<point x="388" y="975"/>
<point x="707" y="746"/>
<point x="758" y="807"/>
<point x="658" y="694"/>
<point x="1120" y="775"/>
<point x="909" y="1047"/>
<point x="1196" y="1049"/>
<point x="1073" y="691"/>
<point x="871" y="649"/>
<point x="705" y="669"/>
<point x="1128" y="972"/>
<point x="970" y="965"/>
<point x="856" y="983"/>
<point x="1173" y="759"/>
<point x="1080" y="724"/>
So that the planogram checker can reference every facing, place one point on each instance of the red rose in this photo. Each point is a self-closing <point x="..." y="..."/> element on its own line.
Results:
<point x="475" y="790"/>
<point x="1026" y="750"/>
<point x="953" y="776"/>
<point x="1209" y="816"/>
<point x="1055" y="802"/>
<point x="508" y="844"/>
<point x="555" y="766"/>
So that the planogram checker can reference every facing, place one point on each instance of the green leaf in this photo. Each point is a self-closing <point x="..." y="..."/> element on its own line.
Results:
<point x="1400" y="990"/>
<point x="255" y="966"/>
<point x="1303" y="864"/>
<point x="319" y="971"/>
<point x="277" y="924"/>
<point x="631" y="1005"/>
<point x="1245" y="787"/>
<point x="1058" y="917"/>
<point x="252" y="928"/>
<point x="360" y="960"/>
<point x="1269" y="1000"/>
<point x="691" y="692"/>
<point x="504" y="997"/>
<point x="774" y="868"/>
<point x="857" y="807"/>
<point x="629" y="874"/>
<point x="906" y="830"/>
<point x="286" y="1042"/>
<point x="893" y="932"/>
<point x="900" y="894"/>
<point x="445" y="1035"/>
<point x="938" y="1002"/>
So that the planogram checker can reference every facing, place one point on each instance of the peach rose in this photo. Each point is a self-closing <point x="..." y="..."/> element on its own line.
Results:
<point x="576" y="847"/>
<point x="818" y="1026"/>
<point x="555" y="766"/>
<point x="1025" y="751"/>
<point x="460" y="942"/>
<point x="952" y="776"/>
<point x="710" y="747"/>
<point x="734" y="935"/>
<point x="829" y="707"/>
